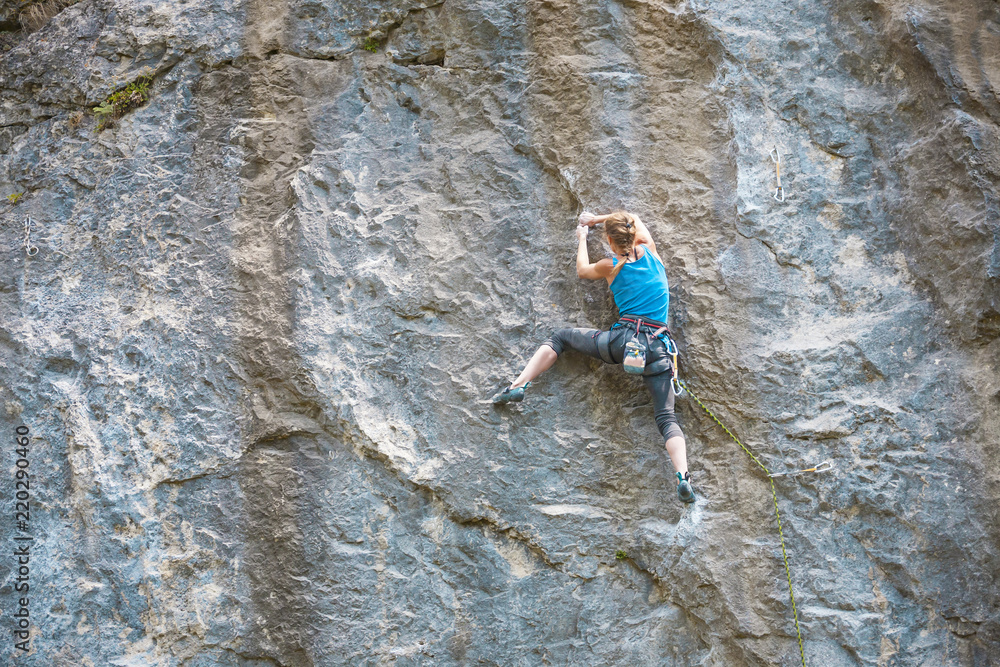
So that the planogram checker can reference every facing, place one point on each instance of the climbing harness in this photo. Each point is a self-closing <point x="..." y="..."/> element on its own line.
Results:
<point x="634" y="360"/>
<point x="29" y="249"/>
<point x="774" y="496"/>
<point x="822" y="467"/>
<point x="779" y="193"/>
<point x="634" y="354"/>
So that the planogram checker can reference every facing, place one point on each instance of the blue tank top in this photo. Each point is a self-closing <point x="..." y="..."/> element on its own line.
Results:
<point x="641" y="288"/>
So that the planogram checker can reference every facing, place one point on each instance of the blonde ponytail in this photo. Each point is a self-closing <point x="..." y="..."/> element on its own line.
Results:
<point x="620" y="228"/>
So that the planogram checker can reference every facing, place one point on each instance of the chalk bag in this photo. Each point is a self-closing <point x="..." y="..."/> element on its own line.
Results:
<point x="635" y="357"/>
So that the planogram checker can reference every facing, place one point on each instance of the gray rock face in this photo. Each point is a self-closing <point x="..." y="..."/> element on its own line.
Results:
<point x="268" y="306"/>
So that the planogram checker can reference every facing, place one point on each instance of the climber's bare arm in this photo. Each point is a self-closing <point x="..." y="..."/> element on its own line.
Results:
<point x="584" y="269"/>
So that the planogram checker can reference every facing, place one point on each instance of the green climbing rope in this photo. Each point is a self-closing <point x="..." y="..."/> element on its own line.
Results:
<point x="774" y="496"/>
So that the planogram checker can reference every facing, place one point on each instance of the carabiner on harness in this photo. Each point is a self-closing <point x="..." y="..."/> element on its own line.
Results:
<point x="675" y="380"/>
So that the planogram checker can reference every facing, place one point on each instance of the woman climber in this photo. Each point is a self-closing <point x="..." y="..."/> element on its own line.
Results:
<point x="638" y="281"/>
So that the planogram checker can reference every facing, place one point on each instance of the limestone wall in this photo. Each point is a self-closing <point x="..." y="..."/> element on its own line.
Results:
<point x="256" y="344"/>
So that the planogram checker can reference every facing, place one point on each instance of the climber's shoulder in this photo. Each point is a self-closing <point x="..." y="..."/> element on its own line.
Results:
<point x="600" y="269"/>
<point x="644" y="238"/>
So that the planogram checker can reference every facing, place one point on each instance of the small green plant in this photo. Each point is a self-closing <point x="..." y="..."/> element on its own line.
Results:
<point x="621" y="555"/>
<point x="15" y="197"/>
<point x="371" y="44"/>
<point x="123" y="100"/>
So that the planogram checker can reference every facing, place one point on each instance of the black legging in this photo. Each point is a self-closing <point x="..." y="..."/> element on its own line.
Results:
<point x="587" y="341"/>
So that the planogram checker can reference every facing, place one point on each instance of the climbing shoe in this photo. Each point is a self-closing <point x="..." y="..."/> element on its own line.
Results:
<point x="509" y="395"/>
<point x="684" y="489"/>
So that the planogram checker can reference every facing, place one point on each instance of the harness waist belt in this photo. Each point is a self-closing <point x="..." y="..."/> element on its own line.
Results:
<point x="643" y="322"/>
